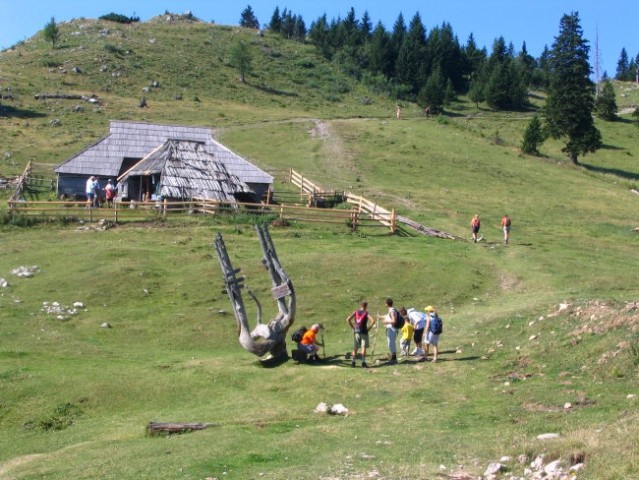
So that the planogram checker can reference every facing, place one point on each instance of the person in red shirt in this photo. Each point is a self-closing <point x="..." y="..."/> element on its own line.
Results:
<point x="475" y="225"/>
<point x="309" y="344"/>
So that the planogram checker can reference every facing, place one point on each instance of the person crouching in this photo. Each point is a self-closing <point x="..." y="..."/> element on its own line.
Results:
<point x="309" y="343"/>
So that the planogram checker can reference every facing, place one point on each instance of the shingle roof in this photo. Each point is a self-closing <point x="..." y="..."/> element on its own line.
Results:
<point x="136" y="140"/>
<point x="187" y="171"/>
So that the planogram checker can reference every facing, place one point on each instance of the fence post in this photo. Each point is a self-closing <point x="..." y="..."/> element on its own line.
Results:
<point x="354" y="219"/>
<point x="393" y="221"/>
<point x="282" y="212"/>
<point x="290" y="175"/>
<point x="115" y="211"/>
<point x="164" y="205"/>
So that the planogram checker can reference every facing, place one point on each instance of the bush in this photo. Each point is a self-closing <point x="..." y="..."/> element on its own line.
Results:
<point x="116" y="17"/>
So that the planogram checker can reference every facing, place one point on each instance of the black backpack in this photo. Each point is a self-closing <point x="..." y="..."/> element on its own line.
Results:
<point x="298" y="334"/>
<point x="399" y="323"/>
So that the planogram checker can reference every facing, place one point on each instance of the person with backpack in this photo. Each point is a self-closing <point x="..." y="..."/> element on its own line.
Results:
<point x="475" y="225"/>
<point x="505" y="225"/>
<point x="359" y="323"/>
<point x="393" y="322"/>
<point x="434" y="328"/>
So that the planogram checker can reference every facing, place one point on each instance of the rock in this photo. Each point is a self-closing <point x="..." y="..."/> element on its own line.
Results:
<point x="322" y="408"/>
<point x="339" y="409"/>
<point x="78" y="305"/>
<point x="567" y="406"/>
<point x="553" y="469"/>
<point x="537" y="462"/>
<point x="105" y="325"/>
<point x="494" y="469"/>
<point x="547" y="436"/>
<point x="631" y="396"/>
<point x="532" y="337"/>
<point x="3" y="283"/>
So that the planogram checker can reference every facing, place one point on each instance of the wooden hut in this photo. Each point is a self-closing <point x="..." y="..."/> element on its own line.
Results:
<point x="129" y="142"/>
<point x="182" y="170"/>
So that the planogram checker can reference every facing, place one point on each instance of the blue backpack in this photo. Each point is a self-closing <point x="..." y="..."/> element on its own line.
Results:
<point x="399" y="322"/>
<point x="436" y="324"/>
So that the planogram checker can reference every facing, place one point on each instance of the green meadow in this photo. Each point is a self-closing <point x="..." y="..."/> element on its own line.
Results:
<point x="540" y="336"/>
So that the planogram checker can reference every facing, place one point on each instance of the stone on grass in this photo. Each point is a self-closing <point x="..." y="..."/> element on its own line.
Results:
<point x="547" y="436"/>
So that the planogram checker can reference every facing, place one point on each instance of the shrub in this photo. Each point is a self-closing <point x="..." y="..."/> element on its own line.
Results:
<point x="119" y="18"/>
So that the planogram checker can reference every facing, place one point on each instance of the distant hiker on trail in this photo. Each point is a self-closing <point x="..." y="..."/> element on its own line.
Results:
<point x="392" y="322"/>
<point x="407" y="335"/>
<point x="505" y="225"/>
<point x="433" y="330"/>
<point x="418" y="320"/>
<point x="475" y="225"/>
<point x="309" y="344"/>
<point x="398" y="112"/>
<point x="360" y="328"/>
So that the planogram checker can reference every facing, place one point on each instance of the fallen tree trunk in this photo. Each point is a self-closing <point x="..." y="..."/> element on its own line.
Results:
<point x="158" y="428"/>
<point x="65" y="96"/>
<point x="431" y="232"/>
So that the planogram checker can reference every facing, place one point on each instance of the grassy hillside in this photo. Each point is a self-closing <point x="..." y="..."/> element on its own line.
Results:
<point x="541" y="336"/>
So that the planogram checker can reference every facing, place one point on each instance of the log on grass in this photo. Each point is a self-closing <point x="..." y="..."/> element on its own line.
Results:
<point x="159" y="428"/>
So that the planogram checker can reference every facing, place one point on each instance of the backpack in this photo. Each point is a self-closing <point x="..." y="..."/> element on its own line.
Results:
<point x="399" y="323"/>
<point x="361" y="316"/>
<point x="436" y="325"/>
<point x="507" y="222"/>
<point x="298" y="334"/>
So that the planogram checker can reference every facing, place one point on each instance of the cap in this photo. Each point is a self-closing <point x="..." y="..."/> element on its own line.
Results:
<point x="315" y="327"/>
<point x="430" y="308"/>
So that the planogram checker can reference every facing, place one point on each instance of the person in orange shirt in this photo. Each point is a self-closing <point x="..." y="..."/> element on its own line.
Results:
<point x="309" y="344"/>
<point x="505" y="225"/>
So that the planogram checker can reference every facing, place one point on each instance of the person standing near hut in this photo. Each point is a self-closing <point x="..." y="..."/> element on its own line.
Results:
<point x="90" y="191"/>
<point x="109" y="193"/>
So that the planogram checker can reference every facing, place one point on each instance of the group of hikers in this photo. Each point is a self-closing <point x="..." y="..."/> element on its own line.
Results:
<point x="475" y="225"/>
<point x="410" y="325"/>
<point x="96" y="194"/>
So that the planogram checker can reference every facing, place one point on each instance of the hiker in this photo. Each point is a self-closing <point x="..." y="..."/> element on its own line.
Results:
<point x="360" y="331"/>
<point x="90" y="191"/>
<point x="398" y="112"/>
<point x="432" y="331"/>
<point x="109" y="193"/>
<point x="391" y="320"/>
<point x="505" y="225"/>
<point x="96" y="192"/>
<point x="407" y="335"/>
<point x="418" y="320"/>
<point x="475" y="225"/>
<point x="309" y="343"/>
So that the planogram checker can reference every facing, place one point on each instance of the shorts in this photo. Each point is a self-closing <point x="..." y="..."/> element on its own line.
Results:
<point x="418" y="335"/>
<point x="475" y="229"/>
<point x="90" y="195"/>
<point x="307" y="349"/>
<point x="360" y="340"/>
<point x="432" y="338"/>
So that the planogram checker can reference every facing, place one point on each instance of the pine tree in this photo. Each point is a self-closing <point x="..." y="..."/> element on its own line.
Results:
<point x="622" y="65"/>
<point x="275" y="24"/>
<point x="571" y="101"/>
<point x="606" y="103"/>
<point x="51" y="32"/>
<point x="433" y="93"/>
<point x="248" y="18"/>
<point x="533" y="137"/>
<point x="407" y="67"/>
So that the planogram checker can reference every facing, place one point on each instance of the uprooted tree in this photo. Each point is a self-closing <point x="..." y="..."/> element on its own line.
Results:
<point x="264" y="338"/>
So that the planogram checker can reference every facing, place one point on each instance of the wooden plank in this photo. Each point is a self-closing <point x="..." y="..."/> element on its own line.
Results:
<point x="280" y="291"/>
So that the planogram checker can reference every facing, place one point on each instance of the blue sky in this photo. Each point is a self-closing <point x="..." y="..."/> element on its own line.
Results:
<point x="615" y="23"/>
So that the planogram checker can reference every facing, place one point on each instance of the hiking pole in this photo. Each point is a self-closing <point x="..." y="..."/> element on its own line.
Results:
<point x="323" y="343"/>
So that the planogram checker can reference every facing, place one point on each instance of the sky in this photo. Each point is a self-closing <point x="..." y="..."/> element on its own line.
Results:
<point x="609" y="24"/>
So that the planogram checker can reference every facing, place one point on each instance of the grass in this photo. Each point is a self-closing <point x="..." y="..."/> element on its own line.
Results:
<point x="75" y="398"/>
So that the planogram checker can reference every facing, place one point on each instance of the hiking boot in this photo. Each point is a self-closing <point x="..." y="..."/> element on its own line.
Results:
<point x="392" y="361"/>
<point x="353" y="364"/>
<point x="364" y="365"/>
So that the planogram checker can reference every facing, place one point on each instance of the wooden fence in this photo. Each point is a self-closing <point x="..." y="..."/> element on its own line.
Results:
<point x="145" y="211"/>
<point x="364" y="208"/>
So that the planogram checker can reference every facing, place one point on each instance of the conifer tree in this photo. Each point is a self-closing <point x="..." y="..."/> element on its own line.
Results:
<point x="533" y="137"/>
<point x="52" y="32"/>
<point x="622" y="65"/>
<point x="571" y="96"/>
<point x="248" y="18"/>
<point x="433" y="93"/>
<point x="275" y="24"/>
<point x="606" y="103"/>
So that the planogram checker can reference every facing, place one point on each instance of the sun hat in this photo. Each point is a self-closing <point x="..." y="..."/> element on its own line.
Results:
<point x="430" y="308"/>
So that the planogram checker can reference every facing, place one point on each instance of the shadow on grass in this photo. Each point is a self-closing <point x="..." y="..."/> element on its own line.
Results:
<point x="274" y="91"/>
<point x="612" y="171"/>
<point x="12" y="112"/>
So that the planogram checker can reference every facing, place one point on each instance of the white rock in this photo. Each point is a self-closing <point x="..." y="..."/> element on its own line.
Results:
<point x="3" y="283"/>
<point x="532" y="337"/>
<point x="78" y="305"/>
<point x="631" y="396"/>
<point x="540" y="318"/>
<point x="563" y="306"/>
<point x="577" y="467"/>
<point x="322" y="407"/>
<point x="339" y="409"/>
<point x="531" y="323"/>
<point x="539" y="461"/>
<point x="105" y="325"/>
<point x="547" y="436"/>
<point x="567" y="405"/>
<point x="553" y="468"/>
<point x="494" y="468"/>
<point x="505" y="459"/>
